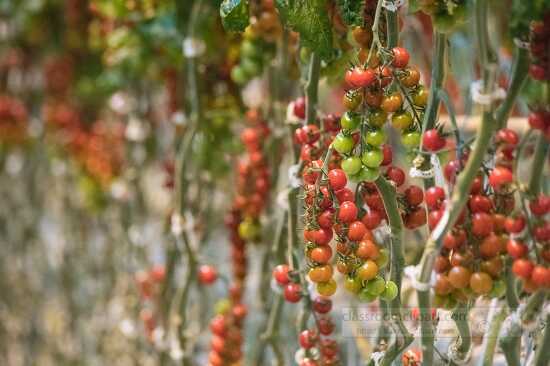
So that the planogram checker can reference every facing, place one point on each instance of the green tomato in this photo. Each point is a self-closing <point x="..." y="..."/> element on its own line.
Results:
<point x="377" y="118"/>
<point x="372" y="158"/>
<point x="350" y="121"/>
<point x="383" y="258"/>
<point x="251" y="67"/>
<point x="249" y="49"/>
<point x="249" y="230"/>
<point x="411" y="139"/>
<point x="390" y="291"/>
<point x="353" y="284"/>
<point x="498" y="290"/>
<point x="222" y="306"/>
<point x="366" y="174"/>
<point x="343" y="144"/>
<point x="238" y="75"/>
<point x="375" y="137"/>
<point x="351" y="165"/>
<point x="366" y="296"/>
<point x="376" y="286"/>
<point x="401" y="120"/>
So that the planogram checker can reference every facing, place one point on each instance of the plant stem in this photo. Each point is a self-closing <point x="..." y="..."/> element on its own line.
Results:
<point x="541" y="152"/>
<point x="511" y="293"/>
<point x="464" y="343"/>
<point x="542" y="355"/>
<point x="518" y="77"/>
<point x="497" y="315"/>
<point x="392" y="25"/>
<point x="464" y="180"/>
<point x="397" y="263"/>
<point x="311" y="88"/>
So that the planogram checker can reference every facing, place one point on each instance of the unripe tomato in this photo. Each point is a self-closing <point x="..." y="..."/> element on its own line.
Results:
<point x="402" y="120"/>
<point x="377" y="118"/>
<point x="353" y="284"/>
<point x="383" y="258"/>
<point x="411" y="77"/>
<point x="352" y="99"/>
<point x="372" y="158"/>
<point x="390" y="291"/>
<point x="343" y="144"/>
<point x="376" y="138"/>
<point x="351" y="165"/>
<point x="350" y="121"/>
<point x="420" y="98"/>
<point x="376" y="286"/>
<point x="327" y="288"/>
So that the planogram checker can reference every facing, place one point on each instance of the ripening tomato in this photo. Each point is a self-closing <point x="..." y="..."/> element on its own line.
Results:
<point x="359" y="77"/>
<point x="402" y="120"/>
<point x="299" y="108"/>
<point x="337" y="179"/>
<point x="388" y="155"/>
<point x="367" y="270"/>
<point x="400" y="57"/>
<point x="356" y="231"/>
<point x="541" y="276"/>
<point x="420" y="97"/>
<point x="414" y="195"/>
<point x="377" y="118"/>
<point x="372" y="219"/>
<point x="308" y="338"/>
<point x="344" y="195"/>
<point x="482" y="224"/>
<point x="322" y="236"/>
<point x="347" y="212"/>
<point x="352" y="99"/>
<point x="442" y="285"/>
<point x="207" y="274"/>
<point x="327" y="288"/>
<point x="373" y="97"/>
<point x="491" y="246"/>
<point x="292" y="292"/>
<point x="411" y="77"/>
<point x="366" y="249"/>
<point x="522" y="268"/>
<point x="392" y="102"/>
<point x="516" y="249"/>
<point x="492" y="266"/>
<point x="500" y="176"/>
<point x="459" y="277"/>
<point x="434" y="197"/>
<point x="432" y="140"/>
<point x="481" y="283"/>
<point x="321" y="254"/>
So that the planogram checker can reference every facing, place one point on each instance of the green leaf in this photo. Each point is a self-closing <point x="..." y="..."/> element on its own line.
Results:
<point x="234" y="15"/>
<point x="310" y="19"/>
<point x="351" y="11"/>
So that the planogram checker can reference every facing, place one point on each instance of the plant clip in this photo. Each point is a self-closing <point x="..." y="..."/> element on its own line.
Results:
<point x="193" y="47"/>
<point x="485" y="99"/>
<point x="392" y="5"/>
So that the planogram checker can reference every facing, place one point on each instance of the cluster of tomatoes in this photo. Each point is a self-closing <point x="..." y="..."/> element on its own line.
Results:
<point x="315" y="350"/>
<point x="362" y="35"/>
<point x="331" y="212"/>
<point x="253" y="183"/>
<point x="258" y="39"/>
<point x="446" y="14"/>
<point x="149" y="285"/>
<point x="227" y="339"/>
<point x="13" y="120"/>
<point x="97" y="146"/>
<point x="386" y="89"/>
<point x="539" y="46"/>
<point x="472" y="258"/>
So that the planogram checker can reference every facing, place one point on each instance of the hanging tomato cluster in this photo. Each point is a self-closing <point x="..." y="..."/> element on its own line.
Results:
<point x="149" y="285"/>
<point x="539" y="46"/>
<point x="13" y="120"/>
<point x="471" y="260"/>
<point x="253" y="184"/>
<point x="386" y="89"/>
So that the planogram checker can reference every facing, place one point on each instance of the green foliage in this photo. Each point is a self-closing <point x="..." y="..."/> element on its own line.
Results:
<point x="523" y="12"/>
<point x="234" y="14"/>
<point x="351" y="11"/>
<point x="310" y="19"/>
